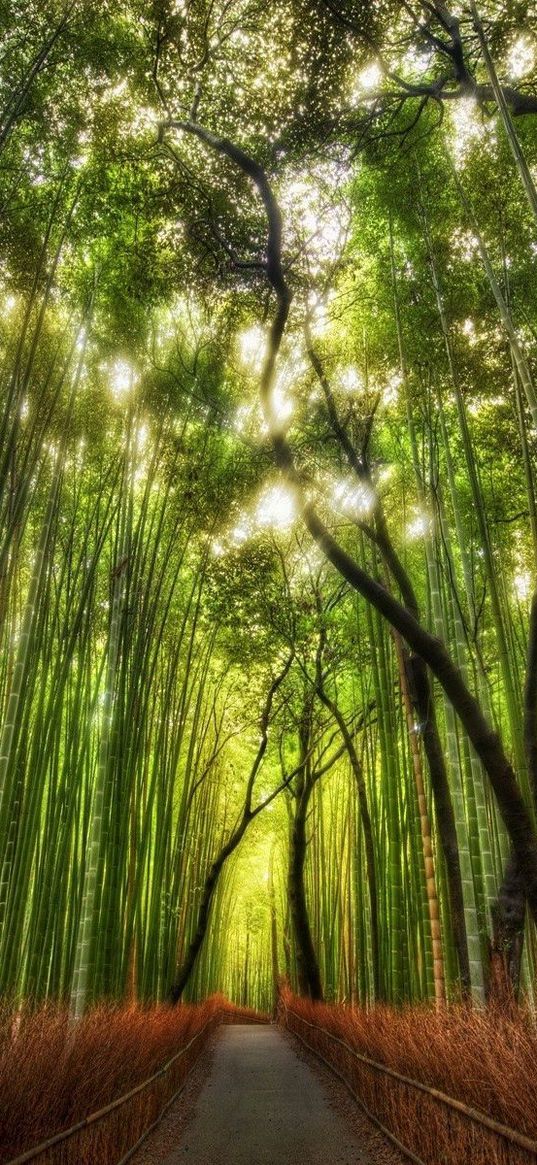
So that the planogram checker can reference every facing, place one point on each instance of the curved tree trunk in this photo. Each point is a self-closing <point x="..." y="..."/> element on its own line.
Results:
<point x="204" y="911"/>
<point x="215" y="870"/>
<point x="417" y="674"/>
<point x="431" y="650"/>
<point x="508" y="914"/>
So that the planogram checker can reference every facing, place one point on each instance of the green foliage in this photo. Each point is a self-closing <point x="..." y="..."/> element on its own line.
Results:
<point x="153" y="571"/>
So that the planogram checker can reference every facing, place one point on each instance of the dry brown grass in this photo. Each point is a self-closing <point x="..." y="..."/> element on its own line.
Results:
<point x="486" y="1059"/>
<point x="54" y="1073"/>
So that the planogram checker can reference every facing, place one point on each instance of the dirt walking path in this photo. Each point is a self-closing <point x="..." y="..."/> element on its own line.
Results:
<point x="263" y="1105"/>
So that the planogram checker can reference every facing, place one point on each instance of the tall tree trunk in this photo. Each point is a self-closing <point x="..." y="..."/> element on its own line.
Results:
<point x="505" y="115"/>
<point x="365" y="819"/>
<point x="421" y="691"/>
<point x="507" y="942"/>
<point x="425" y="826"/>
<point x="204" y="911"/>
<point x="309" y="976"/>
<point x="274" y="957"/>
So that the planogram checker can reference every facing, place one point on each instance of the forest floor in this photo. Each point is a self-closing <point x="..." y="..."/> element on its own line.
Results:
<point x="256" y="1098"/>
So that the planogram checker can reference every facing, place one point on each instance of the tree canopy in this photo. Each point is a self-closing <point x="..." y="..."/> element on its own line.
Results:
<point x="268" y="547"/>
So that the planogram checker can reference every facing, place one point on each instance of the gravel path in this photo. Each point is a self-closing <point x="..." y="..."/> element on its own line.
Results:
<point x="256" y="1099"/>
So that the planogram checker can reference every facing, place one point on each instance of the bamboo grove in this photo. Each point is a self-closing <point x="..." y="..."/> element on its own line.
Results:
<point x="268" y="539"/>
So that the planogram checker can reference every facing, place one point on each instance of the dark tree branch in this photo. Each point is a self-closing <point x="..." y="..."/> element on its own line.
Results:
<point x="247" y="816"/>
<point x="427" y="647"/>
<point x="459" y="82"/>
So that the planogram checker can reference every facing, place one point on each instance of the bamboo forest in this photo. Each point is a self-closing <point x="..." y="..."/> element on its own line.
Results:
<point x="268" y="581"/>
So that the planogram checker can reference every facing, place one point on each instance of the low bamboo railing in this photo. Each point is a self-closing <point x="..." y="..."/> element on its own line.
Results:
<point x="113" y="1134"/>
<point x="426" y="1125"/>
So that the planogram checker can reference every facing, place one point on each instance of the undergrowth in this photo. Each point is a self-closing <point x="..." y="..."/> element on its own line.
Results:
<point x="486" y="1059"/>
<point x="54" y="1072"/>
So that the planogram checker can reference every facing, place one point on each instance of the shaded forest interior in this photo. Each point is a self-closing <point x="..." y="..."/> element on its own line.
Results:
<point x="268" y="536"/>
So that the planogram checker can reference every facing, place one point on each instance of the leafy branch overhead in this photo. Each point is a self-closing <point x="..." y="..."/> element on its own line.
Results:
<point x="268" y="517"/>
